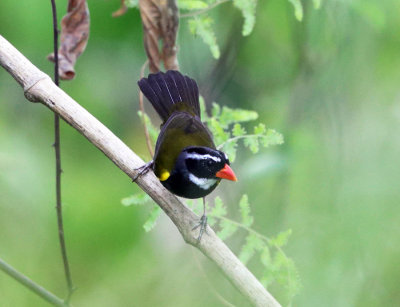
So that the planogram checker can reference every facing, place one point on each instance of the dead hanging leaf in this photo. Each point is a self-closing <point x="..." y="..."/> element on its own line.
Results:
<point x="74" y="37"/>
<point x="160" y="23"/>
<point x="121" y="11"/>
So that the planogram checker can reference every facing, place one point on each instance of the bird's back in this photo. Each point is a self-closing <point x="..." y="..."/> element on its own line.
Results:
<point x="176" y="99"/>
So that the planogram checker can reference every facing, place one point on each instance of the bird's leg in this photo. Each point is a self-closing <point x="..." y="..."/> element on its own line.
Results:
<point x="203" y="222"/>
<point x="143" y="170"/>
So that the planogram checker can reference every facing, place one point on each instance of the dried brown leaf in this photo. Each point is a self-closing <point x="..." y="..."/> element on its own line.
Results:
<point x="74" y="37"/>
<point x="160" y="23"/>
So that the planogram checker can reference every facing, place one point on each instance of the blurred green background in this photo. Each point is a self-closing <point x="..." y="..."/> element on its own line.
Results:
<point x="330" y="84"/>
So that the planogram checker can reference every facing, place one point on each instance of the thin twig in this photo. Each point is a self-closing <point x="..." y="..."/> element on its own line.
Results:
<point x="141" y="106"/>
<point x="58" y="161"/>
<point x="31" y="285"/>
<point x="199" y="12"/>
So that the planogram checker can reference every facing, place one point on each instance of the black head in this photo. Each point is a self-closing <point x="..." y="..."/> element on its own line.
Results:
<point x="207" y="163"/>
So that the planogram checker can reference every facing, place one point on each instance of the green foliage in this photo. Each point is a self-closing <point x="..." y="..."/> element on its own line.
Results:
<point x="202" y="26"/>
<point x="277" y="266"/>
<point x="227" y="131"/>
<point x="248" y="8"/>
<point x="317" y="4"/>
<point x="132" y="3"/>
<point x="151" y="221"/>
<point x="298" y="9"/>
<point x="140" y="199"/>
<point x="247" y="219"/>
<point x="136" y="199"/>
<point x="192" y="4"/>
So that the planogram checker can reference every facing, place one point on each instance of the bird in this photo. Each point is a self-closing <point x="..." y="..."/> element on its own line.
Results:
<point x="186" y="160"/>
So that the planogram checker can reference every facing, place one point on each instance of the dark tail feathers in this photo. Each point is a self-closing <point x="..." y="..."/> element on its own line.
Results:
<point x="163" y="90"/>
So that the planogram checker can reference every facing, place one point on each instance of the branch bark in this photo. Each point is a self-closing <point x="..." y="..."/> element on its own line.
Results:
<point x="38" y="87"/>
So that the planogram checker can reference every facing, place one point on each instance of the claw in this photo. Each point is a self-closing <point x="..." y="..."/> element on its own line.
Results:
<point x="203" y="227"/>
<point x="143" y="170"/>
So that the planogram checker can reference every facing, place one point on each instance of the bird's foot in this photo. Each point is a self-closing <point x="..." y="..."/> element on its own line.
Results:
<point x="203" y="227"/>
<point x="143" y="170"/>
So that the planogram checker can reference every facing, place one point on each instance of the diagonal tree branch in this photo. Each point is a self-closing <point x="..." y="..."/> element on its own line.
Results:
<point x="38" y="87"/>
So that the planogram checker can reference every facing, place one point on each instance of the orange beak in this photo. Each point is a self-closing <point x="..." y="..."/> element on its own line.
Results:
<point x="226" y="173"/>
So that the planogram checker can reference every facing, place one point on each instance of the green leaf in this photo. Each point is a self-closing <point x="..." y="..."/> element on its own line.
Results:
<point x="266" y="258"/>
<point x="230" y="149"/>
<point x="136" y="199"/>
<point x="229" y="116"/>
<point x="298" y="9"/>
<point x="238" y="130"/>
<point x="219" y="209"/>
<point x="192" y="4"/>
<point x="220" y="135"/>
<point x="272" y="137"/>
<point x="215" y="110"/>
<point x="253" y="243"/>
<point x="267" y="278"/>
<point x="202" y="26"/>
<point x="248" y="8"/>
<point x="152" y="219"/>
<point x="259" y="129"/>
<point x="132" y="3"/>
<point x="281" y="239"/>
<point x="203" y="109"/>
<point x="317" y="4"/>
<point x="244" y="206"/>
<point x="227" y="229"/>
<point x="252" y="143"/>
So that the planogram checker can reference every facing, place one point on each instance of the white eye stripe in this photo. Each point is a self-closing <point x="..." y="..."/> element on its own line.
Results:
<point x="203" y="183"/>
<point x="202" y="157"/>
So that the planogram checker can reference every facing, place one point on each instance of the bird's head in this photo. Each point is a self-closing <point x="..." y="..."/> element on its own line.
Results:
<point x="204" y="163"/>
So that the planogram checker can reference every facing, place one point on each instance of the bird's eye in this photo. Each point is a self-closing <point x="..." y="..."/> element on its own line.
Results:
<point x="209" y="162"/>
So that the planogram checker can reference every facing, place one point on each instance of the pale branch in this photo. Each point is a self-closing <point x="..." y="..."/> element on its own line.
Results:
<point x="39" y="290"/>
<point x="38" y="87"/>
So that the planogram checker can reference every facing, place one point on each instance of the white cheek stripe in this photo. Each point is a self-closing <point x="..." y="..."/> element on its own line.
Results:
<point x="203" y="183"/>
<point x="203" y="157"/>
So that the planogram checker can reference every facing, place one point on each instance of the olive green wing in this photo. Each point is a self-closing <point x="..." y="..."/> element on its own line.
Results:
<point x="181" y="130"/>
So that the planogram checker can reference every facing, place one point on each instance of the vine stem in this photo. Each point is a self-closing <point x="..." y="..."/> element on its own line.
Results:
<point x="237" y="138"/>
<point x="58" y="160"/>
<point x="34" y="287"/>
<point x="199" y="12"/>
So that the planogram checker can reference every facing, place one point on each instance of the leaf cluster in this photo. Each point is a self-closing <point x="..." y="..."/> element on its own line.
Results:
<point x="277" y="266"/>
<point x="226" y="126"/>
<point x="142" y="198"/>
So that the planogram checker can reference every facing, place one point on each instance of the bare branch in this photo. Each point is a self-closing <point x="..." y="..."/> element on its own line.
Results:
<point x="39" y="290"/>
<point x="57" y="150"/>
<point x="39" y="87"/>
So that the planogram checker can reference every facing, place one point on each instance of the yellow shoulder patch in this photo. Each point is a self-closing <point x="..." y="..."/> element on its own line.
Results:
<point x="164" y="175"/>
